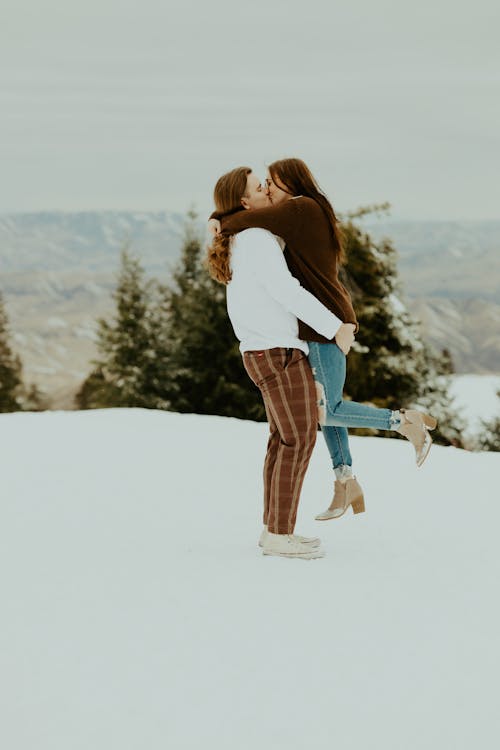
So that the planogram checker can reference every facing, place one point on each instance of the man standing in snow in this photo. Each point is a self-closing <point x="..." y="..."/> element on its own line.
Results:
<point x="264" y="302"/>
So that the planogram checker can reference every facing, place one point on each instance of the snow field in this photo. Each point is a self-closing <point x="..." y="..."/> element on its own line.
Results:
<point x="138" y="611"/>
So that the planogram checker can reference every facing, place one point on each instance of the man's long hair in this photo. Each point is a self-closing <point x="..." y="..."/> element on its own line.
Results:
<point x="297" y="178"/>
<point x="228" y="192"/>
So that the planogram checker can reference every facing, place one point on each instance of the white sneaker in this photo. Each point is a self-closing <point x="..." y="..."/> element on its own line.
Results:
<point x="312" y="540"/>
<point x="285" y="545"/>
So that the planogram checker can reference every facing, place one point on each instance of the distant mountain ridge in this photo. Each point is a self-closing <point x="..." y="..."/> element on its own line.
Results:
<point x="53" y="241"/>
<point x="57" y="272"/>
<point x="446" y="259"/>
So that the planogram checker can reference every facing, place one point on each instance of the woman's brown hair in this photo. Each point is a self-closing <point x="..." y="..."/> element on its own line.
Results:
<point x="228" y="192"/>
<point x="297" y="179"/>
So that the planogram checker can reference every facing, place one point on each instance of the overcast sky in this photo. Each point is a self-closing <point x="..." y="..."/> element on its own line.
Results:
<point x="109" y="104"/>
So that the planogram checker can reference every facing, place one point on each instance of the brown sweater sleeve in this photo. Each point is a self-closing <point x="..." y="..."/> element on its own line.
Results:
<point x="284" y="220"/>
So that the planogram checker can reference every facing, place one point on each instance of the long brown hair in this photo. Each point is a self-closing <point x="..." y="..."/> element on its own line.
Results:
<point x="297" y="178"/>
<point x="228" y="192"/>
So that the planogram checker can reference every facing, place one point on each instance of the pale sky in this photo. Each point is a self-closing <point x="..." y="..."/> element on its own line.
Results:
<point x="143" y="105"/>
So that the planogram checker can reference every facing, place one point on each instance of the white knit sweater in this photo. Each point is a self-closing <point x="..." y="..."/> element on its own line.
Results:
<point x="264" y="300"/>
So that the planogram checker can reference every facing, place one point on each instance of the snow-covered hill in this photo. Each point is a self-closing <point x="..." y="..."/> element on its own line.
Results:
<point x="138" y="612"/>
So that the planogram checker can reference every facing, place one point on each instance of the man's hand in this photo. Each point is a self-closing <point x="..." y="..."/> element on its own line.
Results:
<point x="214" y="227"/>
<point x="345" y="337"/>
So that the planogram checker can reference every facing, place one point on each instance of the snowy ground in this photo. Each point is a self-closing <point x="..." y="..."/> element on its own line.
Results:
<point x="138" y="613"/>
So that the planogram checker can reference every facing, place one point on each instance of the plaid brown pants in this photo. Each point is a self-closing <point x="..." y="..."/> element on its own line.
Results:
<point x="286" y="383"/>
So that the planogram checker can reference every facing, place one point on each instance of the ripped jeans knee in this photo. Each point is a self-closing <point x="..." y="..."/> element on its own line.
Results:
<point x="321" y="401"/>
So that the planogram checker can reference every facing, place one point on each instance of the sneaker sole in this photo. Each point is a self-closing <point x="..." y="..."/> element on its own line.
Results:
<point x="313" y="545"/>
<point x="313" y="555"/>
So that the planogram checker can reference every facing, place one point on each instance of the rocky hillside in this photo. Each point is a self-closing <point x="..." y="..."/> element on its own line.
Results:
<point x="454" y="260"/>
<point x="451" y="277"/>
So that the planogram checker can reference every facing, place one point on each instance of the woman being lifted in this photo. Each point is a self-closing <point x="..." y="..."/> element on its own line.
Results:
<point x="304" y="218"/>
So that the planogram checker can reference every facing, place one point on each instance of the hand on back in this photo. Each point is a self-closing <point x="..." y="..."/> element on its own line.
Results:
<point x="214" y="227"/>
<point x="345" y="336"/>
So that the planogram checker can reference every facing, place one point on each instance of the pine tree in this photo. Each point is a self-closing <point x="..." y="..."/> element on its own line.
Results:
<point x="389" y="365"/>
<point x="125" y="373"/>
<point x="172" y="347"/>
<point x="434" y="397"/>
<point x="489" y="439"/>
<point x="33" y="398"/>
<point x="10" y="368"/>
<point x="205" y="373"/>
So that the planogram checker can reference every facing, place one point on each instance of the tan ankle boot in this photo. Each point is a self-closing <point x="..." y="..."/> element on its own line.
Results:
<point x="415" y="426"/>
<point x="346" y="493"/>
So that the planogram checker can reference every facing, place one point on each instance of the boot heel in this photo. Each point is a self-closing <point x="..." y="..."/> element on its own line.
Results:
<point x="430" y="422"/>
<point x="358" y="506"/>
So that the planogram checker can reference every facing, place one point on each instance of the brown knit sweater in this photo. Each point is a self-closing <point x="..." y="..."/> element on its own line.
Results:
<point x="310" y="252"/>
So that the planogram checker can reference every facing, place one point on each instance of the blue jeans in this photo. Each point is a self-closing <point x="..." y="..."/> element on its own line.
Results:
<point x="328" y="363"/>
